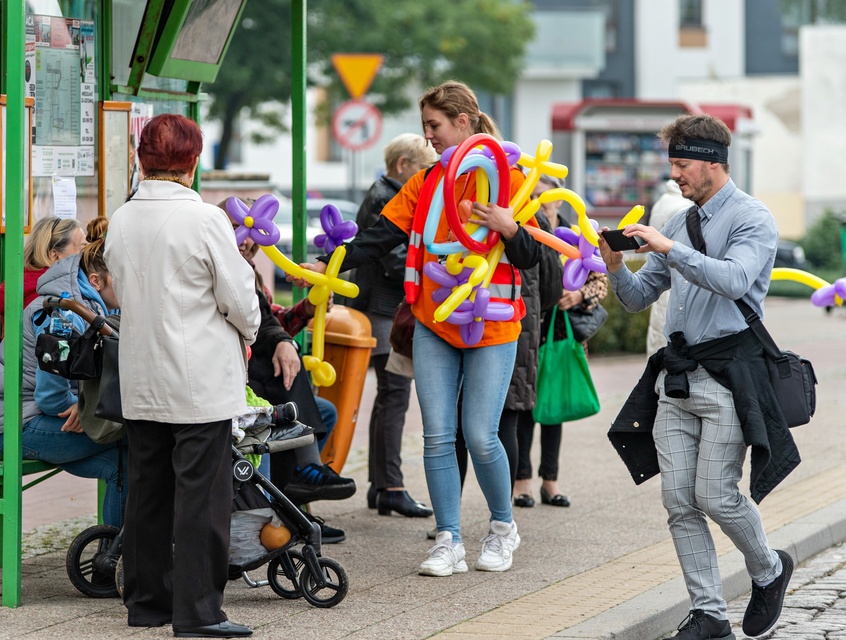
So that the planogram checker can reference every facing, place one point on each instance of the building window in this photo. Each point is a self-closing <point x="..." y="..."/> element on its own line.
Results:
<point x="690" y="14"/>
<point x="691" y="28"/>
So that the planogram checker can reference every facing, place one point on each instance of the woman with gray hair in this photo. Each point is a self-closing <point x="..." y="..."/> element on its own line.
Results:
<point x="381" y="288"/>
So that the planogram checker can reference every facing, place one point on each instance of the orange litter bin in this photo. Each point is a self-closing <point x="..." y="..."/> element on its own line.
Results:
<point x="348" y="343"/>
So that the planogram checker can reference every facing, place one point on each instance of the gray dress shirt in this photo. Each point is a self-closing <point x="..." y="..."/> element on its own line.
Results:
<point x="741" y="238"/>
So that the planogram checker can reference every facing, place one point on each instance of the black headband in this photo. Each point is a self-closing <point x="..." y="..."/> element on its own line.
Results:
<point x="699" y="149"/>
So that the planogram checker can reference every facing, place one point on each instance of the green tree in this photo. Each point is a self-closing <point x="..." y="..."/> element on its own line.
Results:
<point x="481" y="42"/>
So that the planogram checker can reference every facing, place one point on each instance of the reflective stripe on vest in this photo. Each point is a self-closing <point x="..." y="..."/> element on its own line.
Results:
<point x="414" y="258"/>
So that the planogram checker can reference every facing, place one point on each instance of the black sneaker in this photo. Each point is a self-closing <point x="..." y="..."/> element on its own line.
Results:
<point x="318" y="482"/>
<point x="765" y="605"/>
<point x="328" y="535"/>
<point x="700" y="626"/>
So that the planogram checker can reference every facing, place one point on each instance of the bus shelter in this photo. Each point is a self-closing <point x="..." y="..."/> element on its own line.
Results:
<point x="78" y="80"/>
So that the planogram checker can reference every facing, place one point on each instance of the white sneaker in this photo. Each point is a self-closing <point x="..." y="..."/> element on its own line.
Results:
<point x="445" y="558"/>
<point x="498" y="547"/>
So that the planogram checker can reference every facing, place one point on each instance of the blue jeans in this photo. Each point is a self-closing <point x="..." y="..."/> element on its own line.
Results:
<point x="42" y="439"/>
<point x="440" y="372"/>
<point x="330" y="417"/>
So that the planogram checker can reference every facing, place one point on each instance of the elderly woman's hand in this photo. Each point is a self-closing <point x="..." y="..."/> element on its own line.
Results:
<point x="286" y="361"/>
<point x="319" y="267"/>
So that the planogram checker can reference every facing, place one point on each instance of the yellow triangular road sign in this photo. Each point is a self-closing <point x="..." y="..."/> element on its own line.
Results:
<point x="357" y="71"/>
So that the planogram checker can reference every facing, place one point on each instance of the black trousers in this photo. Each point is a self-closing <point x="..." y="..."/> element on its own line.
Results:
<point x="176" y="538"/>
<point x="386" y="424"/>
<point x="550" y="445"/>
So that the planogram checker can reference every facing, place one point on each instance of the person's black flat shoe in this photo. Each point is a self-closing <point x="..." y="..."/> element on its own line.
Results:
<point x="766" y="602"/>
<point x="402" y="503"/>
<point x="558" y="500"/>
<point x="225" y="629"/>
<point x="524" y="500"/>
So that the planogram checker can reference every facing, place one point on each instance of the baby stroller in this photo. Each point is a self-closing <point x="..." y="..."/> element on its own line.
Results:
<point x="267" y="528"/>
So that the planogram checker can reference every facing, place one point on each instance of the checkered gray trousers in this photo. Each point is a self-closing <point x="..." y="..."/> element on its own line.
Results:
<point x="701" y="452"/>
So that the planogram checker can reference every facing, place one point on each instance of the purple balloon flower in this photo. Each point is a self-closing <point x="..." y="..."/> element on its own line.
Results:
<point x="824" y="296"/>
<point x="470" y="316"/>
<point x="256" y="221"/>
<point x="337" y="229"/>
<point x="576" y="270"/>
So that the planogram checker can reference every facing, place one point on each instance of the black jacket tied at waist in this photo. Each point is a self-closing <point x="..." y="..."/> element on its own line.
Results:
<point x="736" y="362"/>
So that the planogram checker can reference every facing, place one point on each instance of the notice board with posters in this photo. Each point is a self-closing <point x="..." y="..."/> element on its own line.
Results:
<point x="60" y="76"/>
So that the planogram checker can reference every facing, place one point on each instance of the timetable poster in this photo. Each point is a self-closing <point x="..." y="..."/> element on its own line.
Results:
<point x="65" y="96"/>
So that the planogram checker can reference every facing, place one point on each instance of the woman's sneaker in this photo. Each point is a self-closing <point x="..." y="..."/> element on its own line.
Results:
<point x="498" y="547"/>
<point x="445" y="558"/>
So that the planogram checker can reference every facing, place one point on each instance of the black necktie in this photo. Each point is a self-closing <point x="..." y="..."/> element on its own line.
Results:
<point x="694" y="229"/>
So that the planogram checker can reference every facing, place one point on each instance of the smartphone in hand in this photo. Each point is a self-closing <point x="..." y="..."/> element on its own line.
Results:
<point x="618" y="242"/>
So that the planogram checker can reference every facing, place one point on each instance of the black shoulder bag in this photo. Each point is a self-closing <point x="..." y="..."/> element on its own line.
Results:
<point x="791" y="375"/>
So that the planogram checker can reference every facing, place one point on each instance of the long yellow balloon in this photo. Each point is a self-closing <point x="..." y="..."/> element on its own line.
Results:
<point x="797" y="275"/>
<point x="322" y="373"/>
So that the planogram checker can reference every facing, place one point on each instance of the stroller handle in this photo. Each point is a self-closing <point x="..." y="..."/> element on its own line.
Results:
<point x="50" y="302"/>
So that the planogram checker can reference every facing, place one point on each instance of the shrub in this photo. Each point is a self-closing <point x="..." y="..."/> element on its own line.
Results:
<point x="623" y="332"/>
<point x="822" y="242"/>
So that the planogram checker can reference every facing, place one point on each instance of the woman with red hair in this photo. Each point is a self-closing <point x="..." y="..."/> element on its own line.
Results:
<point x="189" y="311"/>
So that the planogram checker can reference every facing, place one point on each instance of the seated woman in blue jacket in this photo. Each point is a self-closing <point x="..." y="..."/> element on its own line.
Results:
<point x="52" y="431"/>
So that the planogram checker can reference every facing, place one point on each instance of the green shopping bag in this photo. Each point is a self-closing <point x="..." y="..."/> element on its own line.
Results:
<point x="565" y="388"/>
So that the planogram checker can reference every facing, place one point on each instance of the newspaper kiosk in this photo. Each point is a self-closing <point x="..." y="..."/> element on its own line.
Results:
<point x="616" y="161"/>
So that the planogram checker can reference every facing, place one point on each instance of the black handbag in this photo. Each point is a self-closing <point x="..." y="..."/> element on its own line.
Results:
<point x="108" y="401"/>
<point x="791" y="375"/>
<point x="75" y="357"/>
<point x="584" y="323"/>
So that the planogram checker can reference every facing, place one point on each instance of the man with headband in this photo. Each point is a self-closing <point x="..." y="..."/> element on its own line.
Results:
<point x="706" y="396"/>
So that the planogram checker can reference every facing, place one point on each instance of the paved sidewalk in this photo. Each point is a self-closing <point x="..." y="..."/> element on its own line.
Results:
<point x="604" y="568"/>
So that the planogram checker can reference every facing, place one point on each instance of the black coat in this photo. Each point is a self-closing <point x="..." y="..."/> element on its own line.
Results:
<point x="260" y="371"/>
<point x="380" y="284"/>
<point x="741" y="368"/>
<point x="542" y="287"/>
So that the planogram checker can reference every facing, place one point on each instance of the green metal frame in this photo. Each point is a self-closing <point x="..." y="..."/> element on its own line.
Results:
<point x="13" y="71"/>
<point x="12" y="45"/>
<point x="162" y="62"/>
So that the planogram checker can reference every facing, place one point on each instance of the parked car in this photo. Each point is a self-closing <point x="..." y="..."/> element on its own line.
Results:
<point x="347" y="208"/>
<point x="790" y="254"/>
<point x="284" y="220"/>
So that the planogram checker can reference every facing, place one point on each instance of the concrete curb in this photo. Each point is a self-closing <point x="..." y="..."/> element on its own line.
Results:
<point x="657" y="611"/>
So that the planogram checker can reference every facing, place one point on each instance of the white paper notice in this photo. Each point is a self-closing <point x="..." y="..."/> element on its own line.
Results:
<point x="64" y="196"/>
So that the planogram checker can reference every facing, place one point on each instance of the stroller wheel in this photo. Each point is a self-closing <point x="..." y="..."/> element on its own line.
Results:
<point x="283" y="574"/>
<point x="335" y="588"/>
<point x="90" y="566"/>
